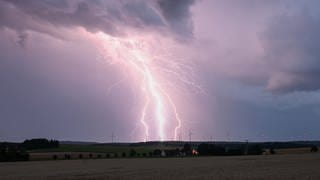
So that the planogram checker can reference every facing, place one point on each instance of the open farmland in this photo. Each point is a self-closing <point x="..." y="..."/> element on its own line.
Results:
<point x="74" y="150"/>
<point x="85" y="150"/>
<point x="288" y="166"/>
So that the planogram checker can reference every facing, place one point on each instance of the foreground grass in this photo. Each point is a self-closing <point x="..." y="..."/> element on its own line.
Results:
<point x="298" y="166"/>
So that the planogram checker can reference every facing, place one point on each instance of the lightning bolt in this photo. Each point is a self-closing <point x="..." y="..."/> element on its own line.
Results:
<point x="157" y="103"/>
<point x="152" y="88"/>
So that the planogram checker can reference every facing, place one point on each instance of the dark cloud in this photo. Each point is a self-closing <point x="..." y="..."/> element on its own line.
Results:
<point x="291" y="45"/>
<point x="111" y="17"/>
<point x="177" y="14"/>
<point x="13" y="18"/>
<point x="22" y="38"/>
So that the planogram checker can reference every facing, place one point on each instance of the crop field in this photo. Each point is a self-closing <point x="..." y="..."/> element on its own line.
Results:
<point x="284" y="166"/>
<point x="86" y="150"/>
<point x="94" y="148"/>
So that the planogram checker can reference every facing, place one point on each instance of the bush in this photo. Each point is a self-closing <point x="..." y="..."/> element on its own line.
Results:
<point x="314" y="149"/>
<point x="272" y="151"/>
<point x="133" y="153"/>
<point x="157" y="152"/>
<point x="54" y="157"/>
<point x="150" y="154"/>
<point x="210" y="149"/>
<point x="12" y="152"/>
<point x="67" y="156"/>
<point x="124" y="154"/>
<point x="187" y="149"/>
<point x="255" y="150"/>
<point x="40" y="144"/>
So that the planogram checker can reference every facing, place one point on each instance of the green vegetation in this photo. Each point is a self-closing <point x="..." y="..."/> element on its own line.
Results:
<point x="12" y="152"/>
<point x="40" y="143"/>
<point x="43" y="149"/>
<point x="96" y="148"/>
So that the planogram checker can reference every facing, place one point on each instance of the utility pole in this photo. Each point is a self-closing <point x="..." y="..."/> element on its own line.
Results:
<point x="112" y="137"/>
<point x="146" y="138"/>
<point x="228" y="135"/>
<point x="246" y="148"/>
<point x="190" y="136"/>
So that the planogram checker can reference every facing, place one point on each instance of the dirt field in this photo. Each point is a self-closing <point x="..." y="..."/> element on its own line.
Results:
<point x="297" y="166"/>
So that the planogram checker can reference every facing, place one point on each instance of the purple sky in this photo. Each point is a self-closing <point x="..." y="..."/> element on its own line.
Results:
<point x="236" y="70"/>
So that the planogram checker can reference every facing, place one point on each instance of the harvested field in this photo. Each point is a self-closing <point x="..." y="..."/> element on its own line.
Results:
<point x="289" y="166"/>
<point x="293" y="151"/>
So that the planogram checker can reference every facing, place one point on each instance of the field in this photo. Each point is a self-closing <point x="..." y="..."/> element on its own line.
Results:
<point x="284" y="166"/>
<point x="95" y="148"/>
<point x="75" y="150"/>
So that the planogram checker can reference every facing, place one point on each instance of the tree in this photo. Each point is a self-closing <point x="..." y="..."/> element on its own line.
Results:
<point x="272" y="151"/>
<point x="124" y="154"/>
<point x="55" y="157"/>
<point x="40" y="143"/>
<point x="12" y="152"/>
<point x="67" y="156"/>
<point x="314" y="149"/>
<point x="204" y="149"/>
<point x="211" y="149"/>
<point x="132" y="152"/>
<point x="255" y="150"/>
<point x="187" y="149"/>
<point x="150" y="154"/>
<point x="157" y="152"/>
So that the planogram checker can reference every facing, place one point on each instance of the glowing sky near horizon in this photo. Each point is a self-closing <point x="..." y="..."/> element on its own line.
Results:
<point x="159" y="70"/>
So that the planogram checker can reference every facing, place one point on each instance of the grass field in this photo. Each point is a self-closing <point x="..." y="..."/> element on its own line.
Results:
<point x="74" y="150"/>
<point x="95" y="148"/>
<point x="103" y="149"/>
<point x="289" y="166"/>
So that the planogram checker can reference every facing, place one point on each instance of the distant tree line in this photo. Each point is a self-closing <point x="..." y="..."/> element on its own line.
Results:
<point x="285" y="145"/>
<point x="218" y="150"/>
<point x="12" y="152"/>
<point x="204" y="149"/>
<point x="40" y="143"/>
<point x="18" y="151"/>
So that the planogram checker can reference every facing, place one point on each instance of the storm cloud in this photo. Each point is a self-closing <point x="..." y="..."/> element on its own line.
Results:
<point x="271" y="44"/>
<point x="291" y="50"/>
<point x="110" y="17"/>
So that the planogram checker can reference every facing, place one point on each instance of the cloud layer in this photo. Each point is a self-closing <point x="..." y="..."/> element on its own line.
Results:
<point x="290" y="49"/>
<point x="110" y="17"/>
<point x="271" y="44"/>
